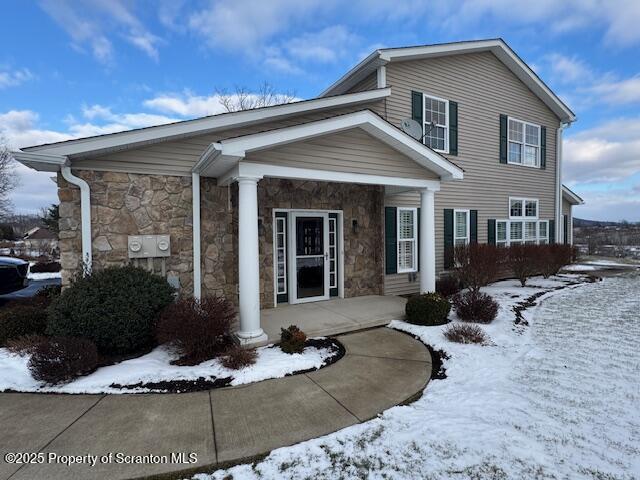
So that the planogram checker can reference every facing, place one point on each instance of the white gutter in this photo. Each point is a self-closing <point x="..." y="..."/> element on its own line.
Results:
<point x="197" y="273"/>
<point x="558" y="229"/>
<point x="85" y="215"/>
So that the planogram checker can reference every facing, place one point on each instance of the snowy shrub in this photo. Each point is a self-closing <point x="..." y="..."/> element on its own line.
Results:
<point x="198" y="329"/>
<point x="448" y="285"/>
<point x="21" y="318"/>
<point x="462" y="333"/>
<point x="474" y="306"/>
<point x="45" y="267"/>
<point x="522" y="260"/>
<point x="477" y="264"/>
<point x="26" y="344"/>
<point x="238" y="357"/>
<point x="427" y="309"/>
<point x="292" y="339"/>
<point x="115" y="308"/>
<point x="61" y="359"/>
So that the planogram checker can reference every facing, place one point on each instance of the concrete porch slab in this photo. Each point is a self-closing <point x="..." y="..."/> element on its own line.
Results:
<point x="385" y="343"/>
<point x="333" y="317"/>
<point x="276" y="413"/>
<point x="136" y="425"/>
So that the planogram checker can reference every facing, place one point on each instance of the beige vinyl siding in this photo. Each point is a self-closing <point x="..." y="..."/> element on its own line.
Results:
<point x="351" y="151"/>
<point x="178" y="157"/>
<point x="484" y="88"/>
<point x="370" y="82"/>
<point x="568" y="211"/>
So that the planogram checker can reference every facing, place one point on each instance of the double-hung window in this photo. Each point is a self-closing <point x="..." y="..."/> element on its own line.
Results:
<point x="436" y="123"/>
<point x="523" y="225"/>
<point x="524" y="143"/>
<point x="407" y="221"/>
<point x="461" y="227"/>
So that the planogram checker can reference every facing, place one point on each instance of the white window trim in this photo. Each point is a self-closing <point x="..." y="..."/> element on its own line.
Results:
<point x="524" y="208"/>
<point x="524" y="143"/>
<point x="523" y="239"/>
<point x="446" y="126"/>
<point x="414" y="240"/>
<point x="468" y="237"/>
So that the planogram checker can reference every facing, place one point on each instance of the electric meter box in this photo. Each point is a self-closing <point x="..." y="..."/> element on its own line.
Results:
<point x="148" y="246"/>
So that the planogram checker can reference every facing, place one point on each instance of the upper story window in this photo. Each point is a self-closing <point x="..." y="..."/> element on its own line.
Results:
<point x="524" y="143"/>
<point x="407" y="235"/>
<point x="436" y="123"/>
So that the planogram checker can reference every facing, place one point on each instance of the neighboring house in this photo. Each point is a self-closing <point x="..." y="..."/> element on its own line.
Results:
<point x="40" y="241"/>
<point x="326" y="197"/>
<point x="569" y="199"/>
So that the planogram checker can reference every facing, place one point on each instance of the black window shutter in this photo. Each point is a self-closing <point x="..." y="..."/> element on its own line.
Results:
<point x="503" y="138"/>
<point x="448" y="238"/>
<point x="491" y="231"/>
<point x="453" y="128"/>
<point x="418" y="237"/>
<point x="417" y="109"/>
<point x="390" y="240"/>
<point x="552" y="231"/>
<point x="473" y="226"/>
<point x="543" y="147"/>
<point x="565" y="236"/>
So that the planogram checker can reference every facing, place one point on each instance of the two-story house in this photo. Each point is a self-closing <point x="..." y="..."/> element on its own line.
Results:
<point x="328" y="197"/>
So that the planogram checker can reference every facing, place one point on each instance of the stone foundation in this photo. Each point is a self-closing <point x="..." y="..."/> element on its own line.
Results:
<point x="132" y="204"/>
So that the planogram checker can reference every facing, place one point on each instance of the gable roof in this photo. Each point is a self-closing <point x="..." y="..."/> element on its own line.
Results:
<point x="571" y="197"/>
<point x="497" y="46"/>
<point x="223" y="155"/>
<point x="199" y="126"/>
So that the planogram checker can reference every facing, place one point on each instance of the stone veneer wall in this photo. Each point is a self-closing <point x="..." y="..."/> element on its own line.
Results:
<point x="132" y="204"/>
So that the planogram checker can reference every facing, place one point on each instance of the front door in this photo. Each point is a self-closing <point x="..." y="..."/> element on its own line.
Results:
<point x="309" y="257"/>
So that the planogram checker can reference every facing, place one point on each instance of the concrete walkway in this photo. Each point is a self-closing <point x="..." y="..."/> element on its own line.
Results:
<point x="381" y="368"/>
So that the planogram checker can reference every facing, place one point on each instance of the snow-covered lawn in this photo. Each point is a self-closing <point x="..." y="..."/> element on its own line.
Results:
<point x="557" y="399"/>
<point x="156" y="367"/>
<point x="44" y="275"/>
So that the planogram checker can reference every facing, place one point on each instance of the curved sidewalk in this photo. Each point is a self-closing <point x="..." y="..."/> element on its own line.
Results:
<point x="381" y="368"/>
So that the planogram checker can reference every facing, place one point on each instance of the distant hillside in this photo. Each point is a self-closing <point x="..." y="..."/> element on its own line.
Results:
<point x="581" y="222"/>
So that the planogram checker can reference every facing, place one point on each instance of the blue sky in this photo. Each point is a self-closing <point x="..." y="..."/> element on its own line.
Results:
<point x="86" y="67"/>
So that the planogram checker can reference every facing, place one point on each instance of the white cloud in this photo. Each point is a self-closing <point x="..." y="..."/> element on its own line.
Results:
<point x="186" y="104"/>
<point x="617" y="92"/>
<point x="13" y="78"/>
<point x="607" y="153"/>
<point x="87" y="23"/>
<point x="325" y="46"/>
<point x="565" y="69"/>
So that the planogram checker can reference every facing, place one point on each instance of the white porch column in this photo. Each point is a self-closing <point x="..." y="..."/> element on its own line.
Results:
<point x="248" y="261"/>
<point x="427" y="241"/>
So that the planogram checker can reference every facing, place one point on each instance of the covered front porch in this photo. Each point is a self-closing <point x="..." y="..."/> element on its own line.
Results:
<point x="356" y="149"/>
<point x="333" y="317"/>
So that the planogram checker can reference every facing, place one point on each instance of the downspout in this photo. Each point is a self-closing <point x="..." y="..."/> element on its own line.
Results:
<point x="197" y="273"/>
<point x="558" y="215"/>
<point x="85" y="215"/>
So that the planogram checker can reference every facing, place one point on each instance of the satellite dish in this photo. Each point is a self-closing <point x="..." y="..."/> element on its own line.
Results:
<point x="411" y="128"/>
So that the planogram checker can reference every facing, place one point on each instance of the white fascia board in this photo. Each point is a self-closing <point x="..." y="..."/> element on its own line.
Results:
<point x="39" y="161"/>
<point x="260" y="170"/>
<point x="368" y="121"/>
<point x="571" y="197"/>
<point x="204" y="125"/>
<point x="497" y="46"/>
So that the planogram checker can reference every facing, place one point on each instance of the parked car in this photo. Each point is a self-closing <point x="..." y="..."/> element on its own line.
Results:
<point x="13" y="274"/>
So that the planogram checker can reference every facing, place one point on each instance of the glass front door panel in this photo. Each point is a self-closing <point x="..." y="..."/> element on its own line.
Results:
<point x="310" y="256"/>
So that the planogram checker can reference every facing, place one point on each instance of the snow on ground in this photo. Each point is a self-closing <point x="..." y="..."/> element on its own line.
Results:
<point x="156" y="367"/>
<point x="580" y="267"/>
<point x="44" y="275"/>
<point x="557" y="399"/>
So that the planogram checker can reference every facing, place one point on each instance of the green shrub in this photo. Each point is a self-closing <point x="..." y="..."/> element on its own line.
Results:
<point x="115" y="308"/>
<point x="198" y="330"/>
<point x="292" y="340"/>
<point x="19" y="319"/>
<point x="49" y="292"/>
<point x="61" y="359"/>
<point x="427" y="309"/>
